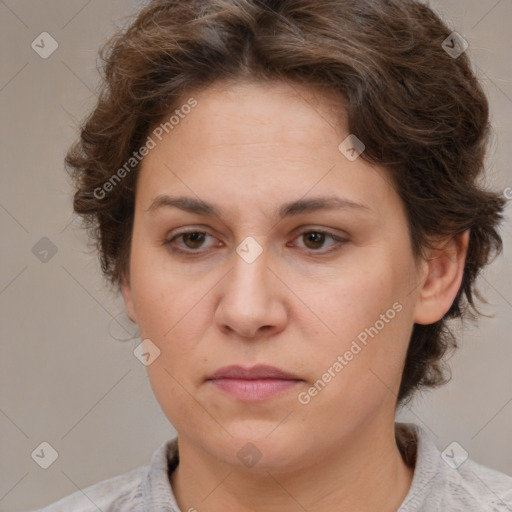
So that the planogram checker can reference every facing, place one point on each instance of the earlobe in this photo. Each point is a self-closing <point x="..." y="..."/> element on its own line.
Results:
<point x="126" y="291"/>
<point x="444" y="272"/>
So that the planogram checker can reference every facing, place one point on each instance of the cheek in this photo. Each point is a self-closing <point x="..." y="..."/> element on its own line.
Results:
<point x="172" y="391"/>
<point x="163" y="299"/>
<point x="175" y="322"/>
<point x="370" y="323"/>
<point x="353" y="300"/>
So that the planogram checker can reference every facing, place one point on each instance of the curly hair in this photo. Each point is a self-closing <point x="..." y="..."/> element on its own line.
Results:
<point x="420" y="111"/>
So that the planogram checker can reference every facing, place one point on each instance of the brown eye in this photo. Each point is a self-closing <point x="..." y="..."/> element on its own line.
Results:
<point x="314" y="239"/>
<point x="193" y="240"/>
<point x="320" y="242"/>
<point x="189" y="242"/>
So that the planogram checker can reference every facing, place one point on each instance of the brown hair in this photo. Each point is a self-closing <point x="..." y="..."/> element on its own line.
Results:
<point x="420" y="112"/>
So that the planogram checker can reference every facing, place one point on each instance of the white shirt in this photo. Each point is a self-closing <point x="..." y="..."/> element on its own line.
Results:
<point x="437" y="485"/>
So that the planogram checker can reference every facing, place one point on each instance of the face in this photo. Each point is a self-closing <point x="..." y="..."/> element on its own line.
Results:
<point x="301" y="260"/>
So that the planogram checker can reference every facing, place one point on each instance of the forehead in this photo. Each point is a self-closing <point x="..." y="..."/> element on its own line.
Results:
<point x="248" y="113"/>
<point x="262" y="142"/>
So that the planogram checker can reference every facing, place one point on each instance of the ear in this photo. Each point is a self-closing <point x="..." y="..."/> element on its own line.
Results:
<point x="126" y="290"/>
<point x="443" y="270"/>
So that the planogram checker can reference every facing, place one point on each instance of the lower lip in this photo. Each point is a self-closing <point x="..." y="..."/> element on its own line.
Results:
<point x="254" y="390"/>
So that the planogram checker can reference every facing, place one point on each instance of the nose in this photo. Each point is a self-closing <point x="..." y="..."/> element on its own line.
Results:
<point x="252" y="301"/>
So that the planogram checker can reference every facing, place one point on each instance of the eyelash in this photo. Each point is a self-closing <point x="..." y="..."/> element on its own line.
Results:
<point x="339" y="242"/>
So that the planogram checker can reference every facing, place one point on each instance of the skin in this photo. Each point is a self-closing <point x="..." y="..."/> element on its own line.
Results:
<point x="248" y="148"/>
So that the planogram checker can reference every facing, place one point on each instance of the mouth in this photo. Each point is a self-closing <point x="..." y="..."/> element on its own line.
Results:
<point x="255" y="384"/>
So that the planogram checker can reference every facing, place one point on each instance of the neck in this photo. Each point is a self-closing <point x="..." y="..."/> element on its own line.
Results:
<point x="367" y="473"/>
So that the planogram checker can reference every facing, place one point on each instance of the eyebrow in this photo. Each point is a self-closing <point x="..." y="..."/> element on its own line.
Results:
<point x="200" y="207"/>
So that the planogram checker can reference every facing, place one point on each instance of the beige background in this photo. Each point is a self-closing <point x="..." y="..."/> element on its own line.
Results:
<point x="65" y="378"/>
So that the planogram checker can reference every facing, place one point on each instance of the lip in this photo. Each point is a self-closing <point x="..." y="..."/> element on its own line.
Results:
<point x="255" y="384"/>
<point x="260" y="371"/>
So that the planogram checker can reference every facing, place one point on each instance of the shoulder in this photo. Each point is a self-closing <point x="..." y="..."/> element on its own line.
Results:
<point x="477" y="484"/>
<point x="141" y="489"/>
<point x="451" y="481"/>
<point x="108" y="495"/>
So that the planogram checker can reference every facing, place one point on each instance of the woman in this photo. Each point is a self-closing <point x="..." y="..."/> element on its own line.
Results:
<point x="286" y="194"/>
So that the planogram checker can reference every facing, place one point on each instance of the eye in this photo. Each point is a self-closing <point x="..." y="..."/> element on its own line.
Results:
<point x="191" y="241"/>
<point x="315" y="240"/>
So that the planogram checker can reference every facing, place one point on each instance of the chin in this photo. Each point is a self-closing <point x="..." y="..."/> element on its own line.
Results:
<point x="260" y="447"/>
